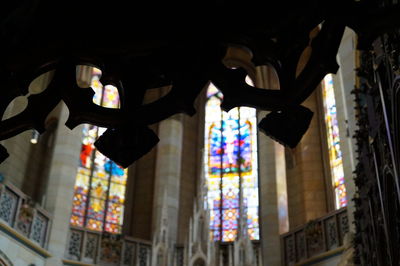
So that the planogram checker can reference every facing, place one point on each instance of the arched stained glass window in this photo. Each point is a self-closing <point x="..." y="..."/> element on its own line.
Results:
<point x="335" y="154"/>
<point x="231" y="168"/>
<point x="99" y="196"/>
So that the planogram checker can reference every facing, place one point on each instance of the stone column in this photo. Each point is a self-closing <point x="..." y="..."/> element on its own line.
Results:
<point x="344" y="82"/>
<point x="60" y="186"/>
<point x="18" y="147"/>
<point x="15" y="168"/>
<point x="168" y="173"/>
<point x="272" y="182"/>
<point x="273" y="197"/>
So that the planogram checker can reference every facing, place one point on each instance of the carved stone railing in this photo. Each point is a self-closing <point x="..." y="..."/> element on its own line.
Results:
<point x="226" y="256"/>
<point x="23" y="215"/>
<point x="315" y="238"/>
<point x="98" y="248"/>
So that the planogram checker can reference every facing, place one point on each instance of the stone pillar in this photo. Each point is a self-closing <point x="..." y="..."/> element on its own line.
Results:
<point x="13" y="168"/>
<point x="140" y="187"/>
<point x="272" y="182"/>
<point x="344" y="82"/>
<point x="60" y="186"/>
<point x="192" y="167"/>
<point x="273" y="198"/>
<point x="16" y="168"/>
<point x="168" y="173"/>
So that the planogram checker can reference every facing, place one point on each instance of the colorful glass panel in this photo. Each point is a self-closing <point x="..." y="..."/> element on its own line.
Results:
<point x="335" y="154"/>
<point x="111" y="97"/>
<point x="100" y="183"/>
<point x="230" y="166"/>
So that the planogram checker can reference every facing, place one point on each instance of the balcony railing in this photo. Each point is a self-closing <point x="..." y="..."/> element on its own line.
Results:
<point x="315" y="237"/>
<point x="23" y="215"/>
<point x="106" y="249"/>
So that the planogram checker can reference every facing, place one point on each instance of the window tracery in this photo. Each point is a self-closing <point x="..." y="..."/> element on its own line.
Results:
<point x="230" y="167"/>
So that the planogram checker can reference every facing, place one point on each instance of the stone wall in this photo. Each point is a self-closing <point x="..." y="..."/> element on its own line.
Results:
<point x="191" y="165"/>
<point x="140" y="191"/>
<point x="306" y="173"/>
<point x="13" y="168"/>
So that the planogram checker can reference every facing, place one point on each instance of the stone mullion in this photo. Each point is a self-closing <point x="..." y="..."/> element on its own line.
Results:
<point x="221" y="179"/>
<point x="272" y="179"/>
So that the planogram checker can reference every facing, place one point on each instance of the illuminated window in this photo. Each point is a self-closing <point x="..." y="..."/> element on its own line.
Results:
<point x="335" y="154"/>
<point x="99" y="196"/>
<point x="230" y="167"/>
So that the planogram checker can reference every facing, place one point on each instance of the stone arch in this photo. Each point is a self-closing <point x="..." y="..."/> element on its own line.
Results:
<point x="199" y="262"/>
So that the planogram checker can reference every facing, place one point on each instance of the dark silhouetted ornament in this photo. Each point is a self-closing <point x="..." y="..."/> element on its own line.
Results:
<point x="125" y="145"/>
<point x="3" y="153"/>
<point x="287" y="126"/>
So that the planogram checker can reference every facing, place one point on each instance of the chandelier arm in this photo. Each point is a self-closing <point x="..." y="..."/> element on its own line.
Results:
<point x="10" y="92"/>
<point x="179" y="100"/>
<point x="238" y="93"/>
<point x="322" y="61"/>
<point x="33" y="116"/>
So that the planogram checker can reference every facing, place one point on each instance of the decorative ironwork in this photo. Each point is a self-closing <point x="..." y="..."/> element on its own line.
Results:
<point x="183" y="59"/>
<point x="290" y="249"/>
<point x="19" y="212"/>
<point x="301" y="245"/>
<point x="377" y="173"/>
<point x="332" y="240"/>
<point x="144" y="256"/>
<point x="39" y="228"/>
<point x="74" y="245"/>
<point x="91" y="244"/>
<point x="8" y="205"/>
<point x="128" y="254"/>
<point x="110" y="249"/>
<point x="343" y="226"/>
<point x="84" y="246"/>
<point x="314" y="238"/>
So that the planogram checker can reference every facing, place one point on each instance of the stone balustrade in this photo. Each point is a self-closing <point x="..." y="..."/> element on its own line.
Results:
<point x="24" y="216"/>
<point x="91" y="247"/>
<point x="317" y="237"/>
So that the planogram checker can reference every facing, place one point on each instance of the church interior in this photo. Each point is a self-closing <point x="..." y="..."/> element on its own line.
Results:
<point x="264" y="141"/>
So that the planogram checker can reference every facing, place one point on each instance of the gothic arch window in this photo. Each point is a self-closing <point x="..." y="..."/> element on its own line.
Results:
<point x="333" y="139"/>
<point x="231" y="168"/>
<point x="99" y="195"/>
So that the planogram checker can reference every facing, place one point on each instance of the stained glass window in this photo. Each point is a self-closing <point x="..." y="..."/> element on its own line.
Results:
<point x="335" y="154"/>
<point x="231" y="168"/>
<point x="99" y="196"/>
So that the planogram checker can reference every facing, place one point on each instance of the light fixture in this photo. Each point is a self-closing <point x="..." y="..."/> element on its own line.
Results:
<point x="35" y="137"/>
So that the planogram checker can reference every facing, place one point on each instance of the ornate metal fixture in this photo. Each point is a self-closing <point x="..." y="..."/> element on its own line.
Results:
<point x="377" y="173"/>
<point x="159" y="44"/>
